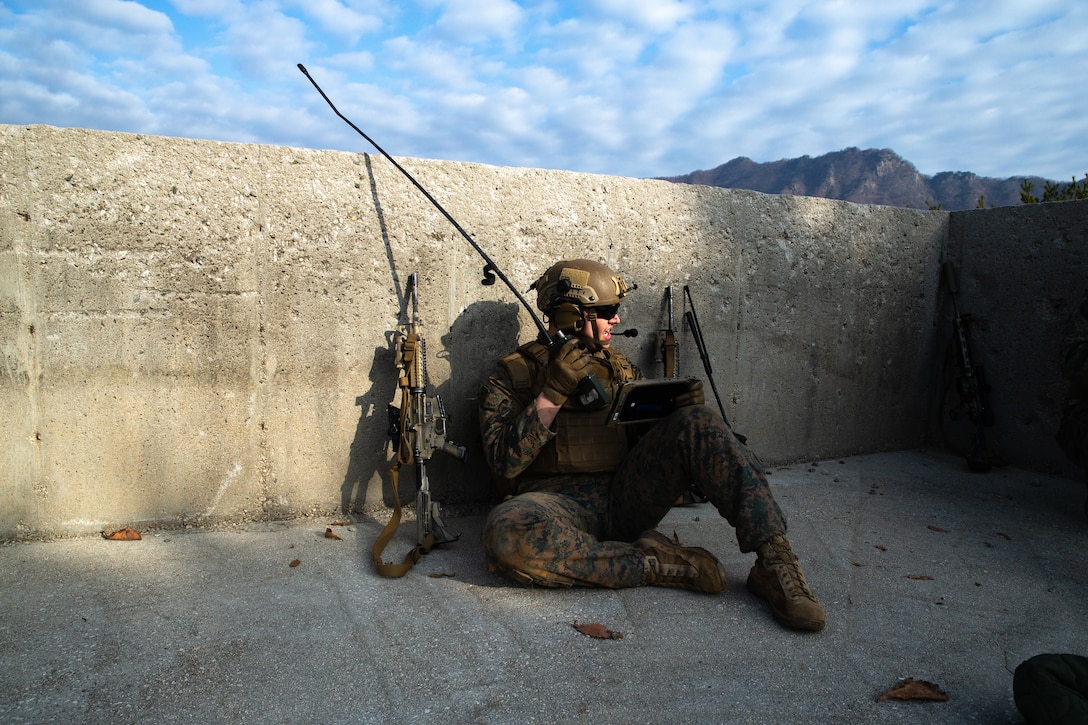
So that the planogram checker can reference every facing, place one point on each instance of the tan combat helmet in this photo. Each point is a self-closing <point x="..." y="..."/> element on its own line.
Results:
<point x="581" y="281"/>
<point x="573" y="285"/>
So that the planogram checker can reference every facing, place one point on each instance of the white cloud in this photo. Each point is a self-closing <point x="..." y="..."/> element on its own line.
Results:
<point x="589" y="52"/>
<point x="125" y="17"/>
<point x="263" y="41"/>
<point x="656" y="16"/>
<point x="431" y="64"/>
<point x="110" y="26"/>
<point x="474" y="21"/>
<point x="690" y="62"/>
<point x="640" y="87"/>
<point x="209" y="8"/>
<point x="361" y="62"/>
<point x="341" y="20"/>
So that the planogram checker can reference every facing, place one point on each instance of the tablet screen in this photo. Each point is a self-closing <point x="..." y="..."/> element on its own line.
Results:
<point x="645" y="400"/>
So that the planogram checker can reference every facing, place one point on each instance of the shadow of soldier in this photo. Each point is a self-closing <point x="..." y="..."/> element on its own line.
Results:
<point x="369" y="452"/>
<point x="481" y="334"/>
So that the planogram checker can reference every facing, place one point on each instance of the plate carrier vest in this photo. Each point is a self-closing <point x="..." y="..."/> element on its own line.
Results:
<point x="584" y="442"/>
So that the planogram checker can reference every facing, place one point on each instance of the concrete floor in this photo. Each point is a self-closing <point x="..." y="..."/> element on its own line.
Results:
<point x="926" y="570"/>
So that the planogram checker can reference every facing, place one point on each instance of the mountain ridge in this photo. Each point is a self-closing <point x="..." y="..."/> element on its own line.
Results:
<point x="869" y="176"/>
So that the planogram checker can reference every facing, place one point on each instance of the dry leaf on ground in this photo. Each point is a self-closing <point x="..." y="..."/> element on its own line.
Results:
<point x="294" y="563"/>
<point x="597" y="631"/>
<point x="912" y="689"/>
<point x="441" y="574"/>
<point x="938" y="529"/>
<point x="123" y="535"/>
<point x="330" y="535"/>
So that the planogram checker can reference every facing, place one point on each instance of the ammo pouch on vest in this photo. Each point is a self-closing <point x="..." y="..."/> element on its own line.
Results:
<point x="584" y="442"/>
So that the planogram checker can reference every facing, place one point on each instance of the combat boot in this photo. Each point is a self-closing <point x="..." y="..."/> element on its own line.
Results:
<point x="668" y="564"/>
<point x="777" y="578"/>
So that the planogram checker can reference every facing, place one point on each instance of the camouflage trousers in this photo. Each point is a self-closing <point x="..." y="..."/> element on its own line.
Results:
<point x="577" y="529"/>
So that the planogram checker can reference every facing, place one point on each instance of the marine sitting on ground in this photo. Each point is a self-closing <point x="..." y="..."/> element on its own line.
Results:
<point x="583" y="497"/>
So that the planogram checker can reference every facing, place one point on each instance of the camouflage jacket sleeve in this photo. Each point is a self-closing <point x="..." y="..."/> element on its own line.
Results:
<point x="511" y="431"/>
<point x="1074" y="355"/>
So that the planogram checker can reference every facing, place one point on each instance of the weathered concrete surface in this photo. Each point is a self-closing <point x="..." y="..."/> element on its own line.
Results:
<point x="926" y="571"/>
<point x="195" y="331"/>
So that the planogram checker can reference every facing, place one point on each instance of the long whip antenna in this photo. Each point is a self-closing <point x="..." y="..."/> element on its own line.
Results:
<point x="490" y="270"/>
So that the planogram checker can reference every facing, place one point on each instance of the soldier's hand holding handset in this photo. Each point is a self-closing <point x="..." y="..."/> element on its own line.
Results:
<point x="568" y="366"/>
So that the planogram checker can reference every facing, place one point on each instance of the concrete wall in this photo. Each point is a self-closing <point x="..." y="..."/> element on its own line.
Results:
<point x="1022" y="270"/>
<point x="195" y="332"/>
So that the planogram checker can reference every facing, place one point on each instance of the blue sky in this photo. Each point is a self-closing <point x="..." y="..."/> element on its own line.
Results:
<point x="627" y="87"/>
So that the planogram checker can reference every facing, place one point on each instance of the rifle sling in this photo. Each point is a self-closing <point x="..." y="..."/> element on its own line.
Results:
<point x="393" y="570"/>
<point x="404" y="455"/>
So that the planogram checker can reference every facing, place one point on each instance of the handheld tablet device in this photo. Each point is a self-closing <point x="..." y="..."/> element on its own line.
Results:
<point x="645" y="400"/>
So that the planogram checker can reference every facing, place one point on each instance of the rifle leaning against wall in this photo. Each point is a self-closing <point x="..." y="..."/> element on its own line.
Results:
<point x="670" y="361"/>
<point x="417" y="427"/>
<point x="670" y="350"/>
<point x="972" y="389"/>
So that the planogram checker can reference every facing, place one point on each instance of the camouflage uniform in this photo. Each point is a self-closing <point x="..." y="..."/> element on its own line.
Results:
<point x="576" y="529"/>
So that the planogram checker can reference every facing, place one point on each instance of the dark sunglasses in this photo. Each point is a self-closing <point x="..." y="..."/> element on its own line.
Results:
<point x="606" y="312"/>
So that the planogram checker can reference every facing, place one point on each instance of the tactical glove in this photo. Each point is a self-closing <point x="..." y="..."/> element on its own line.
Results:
<point x="692" y="396"/>
<point x="568" y="366"/>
